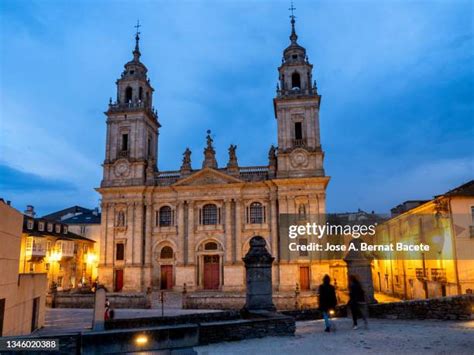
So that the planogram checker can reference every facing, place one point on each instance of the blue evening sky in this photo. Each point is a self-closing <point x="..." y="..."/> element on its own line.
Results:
<point x="396" y="79"/>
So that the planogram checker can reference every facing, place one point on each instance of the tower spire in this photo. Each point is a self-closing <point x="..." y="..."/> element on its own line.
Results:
<point x="136" y="52"/>
<point x="293" y="36"/>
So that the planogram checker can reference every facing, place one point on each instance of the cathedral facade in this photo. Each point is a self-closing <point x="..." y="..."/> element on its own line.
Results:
<point x="167" y="229"/>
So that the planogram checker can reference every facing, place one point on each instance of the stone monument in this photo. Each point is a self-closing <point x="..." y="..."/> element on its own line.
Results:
<point x="360" y="265"/>
<point x="99" y="310"/>
<point x="258" y="266"/>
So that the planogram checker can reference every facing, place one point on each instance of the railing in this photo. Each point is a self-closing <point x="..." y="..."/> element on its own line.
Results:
<point x="123" y="154"/>
<point x="420" y="275"/>
<point x="132" y="106"/>
<point x="299" y="142"/>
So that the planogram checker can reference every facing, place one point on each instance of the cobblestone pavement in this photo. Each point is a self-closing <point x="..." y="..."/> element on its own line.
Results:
<point x="382" y="337"/>
<point x="66" y="320"/>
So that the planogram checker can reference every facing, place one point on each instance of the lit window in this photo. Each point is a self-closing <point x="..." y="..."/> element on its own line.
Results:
<point x="41" y="226"/>
<point x="65" y="229"/>
<point x="30" y="223"/>
<point x="58" y="228"/>
<point x="50" y="227"/>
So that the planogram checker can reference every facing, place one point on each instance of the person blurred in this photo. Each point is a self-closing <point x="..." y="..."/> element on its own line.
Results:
<point x="327" y="301"/>
<point x="356" y="301"/>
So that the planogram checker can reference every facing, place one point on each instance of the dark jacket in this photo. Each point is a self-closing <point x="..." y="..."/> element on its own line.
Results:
<point x="327" y="297"/>
<point x="356" y="293"/>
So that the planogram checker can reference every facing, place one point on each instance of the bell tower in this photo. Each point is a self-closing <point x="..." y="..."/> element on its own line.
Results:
<point x="297" y="112"/>
<point x="132" y="128"/>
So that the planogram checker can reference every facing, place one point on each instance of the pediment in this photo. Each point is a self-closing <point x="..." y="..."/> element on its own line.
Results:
<point x="207" y="176"/>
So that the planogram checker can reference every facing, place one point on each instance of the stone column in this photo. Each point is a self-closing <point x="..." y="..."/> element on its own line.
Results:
<point x="228" y="232"/>
<point x="99" y="310"/>
<point x="180" y="227"/>
<point x="258" y="266"/>
<point x="238" y="229"/>
<point x="191" y="245"/>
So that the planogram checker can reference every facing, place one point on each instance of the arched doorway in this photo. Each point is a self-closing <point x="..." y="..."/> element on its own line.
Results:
<point x="166" y="270"/>
<point x="163" y="275"/>
<point x="210" y="260"/>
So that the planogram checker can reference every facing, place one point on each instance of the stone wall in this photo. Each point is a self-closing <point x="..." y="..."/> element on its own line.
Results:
<point x="235" y="300"/>
<point x="117" y="300"/>
<point x="446" y="308"/>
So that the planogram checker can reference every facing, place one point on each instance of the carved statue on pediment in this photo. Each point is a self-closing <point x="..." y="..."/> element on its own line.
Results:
<point x="232" y="164"/>
<point x="186" y="160"/>
<point x="209" y="153"/>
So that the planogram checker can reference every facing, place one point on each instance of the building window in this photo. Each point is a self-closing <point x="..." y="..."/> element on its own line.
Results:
<point x="46" y="267"/>
<point x="149" y="147"/>
<point x="124" y="142"/>
<point x="60" y="267"/>
<point x="29" y="224"/>
<point x="209" y="214"/>
<point x="58" y="228"/>
<point x="166" y="253"/>
<point x="210" y="246"/>
<point x="85" y="248"/>
<point x="119" y="251"/>
<point x="65" y="230"/>
<point x="83" y="230"/>
<point x="165" y="216"/>
<point x="41" y="226"/>
<point x="50" y="227"/>
<point x="256" y="213"/>
<point x="48" y="246"/>
<point x="472" y="214"/>
<point x="298" y="130"/>
<point x="140" y="93"/>
<point x="60" y="281"/>
<point x="295" y="81"/>
<point x="32" y="267"/>
<point x="128" y="94"/>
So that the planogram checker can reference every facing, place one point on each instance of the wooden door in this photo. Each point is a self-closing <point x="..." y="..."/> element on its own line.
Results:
<point x="211" y="272"/>
<point x="304" y="278"/>
<point x="118" y="280"/>
<point x="166" y="277"/>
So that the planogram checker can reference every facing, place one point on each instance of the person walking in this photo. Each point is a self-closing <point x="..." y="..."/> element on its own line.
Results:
<point x="356" y="301"/>
<point x="327" y="301"/>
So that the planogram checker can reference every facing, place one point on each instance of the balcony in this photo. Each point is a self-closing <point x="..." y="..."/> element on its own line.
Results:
<point x="65" y="248"/>
<point x="299" y="143"/>
<point x="133" y="106"/>
<point x="35" y="248"/>
<point x="438" y="274"/>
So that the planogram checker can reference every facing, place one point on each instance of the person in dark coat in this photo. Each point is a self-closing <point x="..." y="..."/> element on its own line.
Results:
<point x="356" y="300"/>
<point x="327" y="301"/>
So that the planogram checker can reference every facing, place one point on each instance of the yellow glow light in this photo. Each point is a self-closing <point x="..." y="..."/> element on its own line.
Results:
<point x="55" y="256"/>
<point x="141" y="340"/>
<point x="90" y="258"/>
<point x="331" y="312"/>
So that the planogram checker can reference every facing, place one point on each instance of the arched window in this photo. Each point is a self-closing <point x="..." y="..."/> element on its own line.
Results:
<point x="209" y="214"/>
<point x="256" y="215"/>
<point x="210" y="246"/>
<point x="166" y="253"/>
<point x="295" y="81"/>
<point x="140" y="93"/>
<point x="166" y="216"/>
<point x="128" y="94"/>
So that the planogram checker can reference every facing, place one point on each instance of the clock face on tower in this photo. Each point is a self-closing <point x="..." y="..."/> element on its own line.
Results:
<point x="122" y="168"/>
<point x="299" y="158"/>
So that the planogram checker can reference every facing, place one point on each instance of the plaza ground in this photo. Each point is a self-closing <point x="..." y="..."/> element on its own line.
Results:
<point x="382" y="337"/>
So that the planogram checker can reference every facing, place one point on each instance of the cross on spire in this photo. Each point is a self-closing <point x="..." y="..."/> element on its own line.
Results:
<point x="136" y="52"/>
<point x="293" y="36"/>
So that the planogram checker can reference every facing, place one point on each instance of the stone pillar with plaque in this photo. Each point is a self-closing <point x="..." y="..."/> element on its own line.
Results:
<point x="258" y="266"/>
